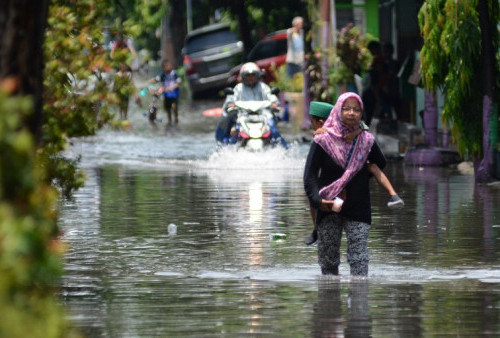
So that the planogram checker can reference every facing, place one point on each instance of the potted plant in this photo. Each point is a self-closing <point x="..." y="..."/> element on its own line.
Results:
<point x="319" y="88"/>
<point x="284" y="83"/>
<point x="352" y="58"/>
<point x="291" y="96"/>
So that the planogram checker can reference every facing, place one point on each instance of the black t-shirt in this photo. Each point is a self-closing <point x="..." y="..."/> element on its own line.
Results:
<point x="321" y="170"/>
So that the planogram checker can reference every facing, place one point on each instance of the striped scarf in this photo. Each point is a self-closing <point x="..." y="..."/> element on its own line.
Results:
<point x="332" y="141"/>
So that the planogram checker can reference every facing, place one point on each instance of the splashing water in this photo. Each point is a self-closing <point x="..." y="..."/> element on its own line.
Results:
<point x="231" y="164"/>
<point x="272" y="158"/>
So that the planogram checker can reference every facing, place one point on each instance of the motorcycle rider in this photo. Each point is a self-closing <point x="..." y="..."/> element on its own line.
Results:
<point x="250" y="89"/>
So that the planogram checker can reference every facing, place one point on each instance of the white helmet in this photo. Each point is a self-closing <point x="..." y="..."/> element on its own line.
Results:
<point x="247" y="69"/>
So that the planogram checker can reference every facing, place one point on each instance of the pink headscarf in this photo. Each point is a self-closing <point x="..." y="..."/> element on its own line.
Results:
<point x="332" y="141"/>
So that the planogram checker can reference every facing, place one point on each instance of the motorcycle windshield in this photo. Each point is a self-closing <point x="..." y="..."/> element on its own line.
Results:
<point x="253" y="106"/>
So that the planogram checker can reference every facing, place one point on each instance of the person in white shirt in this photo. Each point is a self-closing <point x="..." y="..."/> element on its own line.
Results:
<point x="295" y="51"/>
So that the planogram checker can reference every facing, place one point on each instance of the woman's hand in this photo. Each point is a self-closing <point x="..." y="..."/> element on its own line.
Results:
<point x="326" y="205"/>
<point x="349" y="137"/>
<point x="329" y="206"/>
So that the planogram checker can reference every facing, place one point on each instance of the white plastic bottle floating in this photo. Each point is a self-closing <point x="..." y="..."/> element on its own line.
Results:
<point x="172" y="229"/>
<point x="277" y="236"/>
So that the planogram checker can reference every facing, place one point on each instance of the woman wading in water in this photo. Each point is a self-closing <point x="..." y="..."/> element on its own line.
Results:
<point x="337" y="167"/>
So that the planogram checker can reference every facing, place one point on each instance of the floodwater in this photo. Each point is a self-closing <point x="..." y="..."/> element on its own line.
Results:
<point x="434" y="268"/>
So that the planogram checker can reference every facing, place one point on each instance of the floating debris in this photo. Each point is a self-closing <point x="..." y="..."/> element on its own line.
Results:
<point x="276" y="236"/>
<point x="172" y="229"/>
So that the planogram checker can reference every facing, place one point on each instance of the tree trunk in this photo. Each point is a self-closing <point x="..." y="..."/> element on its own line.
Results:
<point x="241" y="14"/>
<point x="483" y="168"/>
<point x="22" y="27"/>
<point x="178" y="29"/>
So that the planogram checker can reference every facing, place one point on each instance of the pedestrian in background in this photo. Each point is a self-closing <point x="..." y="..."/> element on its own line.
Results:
<point x="374" y="95"/>
<point x="295" y="47"/>
<point x="170" y="88"/>
<point x="124" y="87"/>
<point x="392" y="86"/>
<point x="123" y="51"/>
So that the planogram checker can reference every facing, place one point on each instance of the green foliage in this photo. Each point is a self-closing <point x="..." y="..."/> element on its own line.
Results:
<point x="76" y="79"/>
<point x="78" y="91"/>
<point x="329" y="68"/>
<point x="81" y="88"/>
<point x="28" y="266"/>
<point x="284" y="83"/>
<point x="147" y="14"/>
<point x="65" y="174"/>
<point x="141" y="18"/>
<point x="451" y="61"/>
<point x="352" y="55"/>
<point x="270" y="16"/>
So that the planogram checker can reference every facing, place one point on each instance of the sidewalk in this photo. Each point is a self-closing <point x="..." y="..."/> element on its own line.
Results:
<point x="405" y="140"/>
<point x="394" y="138"/>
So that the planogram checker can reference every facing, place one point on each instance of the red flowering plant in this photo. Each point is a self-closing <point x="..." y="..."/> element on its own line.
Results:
<point x="319" y="89"/>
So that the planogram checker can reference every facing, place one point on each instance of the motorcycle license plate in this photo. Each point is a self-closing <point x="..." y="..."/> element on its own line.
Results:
<point x="255" y="144"/>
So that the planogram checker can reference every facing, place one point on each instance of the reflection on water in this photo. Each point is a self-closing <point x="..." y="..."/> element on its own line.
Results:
<point x="434" y="265"/>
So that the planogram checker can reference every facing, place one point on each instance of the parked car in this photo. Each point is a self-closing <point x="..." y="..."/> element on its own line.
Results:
<point x="209" y="54"/>
<point x="268" y="52"/>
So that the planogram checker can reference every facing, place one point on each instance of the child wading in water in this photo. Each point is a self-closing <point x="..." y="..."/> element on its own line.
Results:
<point x="170" y="81"/>
<point x="319" y="112"/>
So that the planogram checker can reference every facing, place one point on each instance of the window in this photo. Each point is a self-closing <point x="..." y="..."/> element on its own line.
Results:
<point x="268" y="49"/>
<point x="210" y="40"/>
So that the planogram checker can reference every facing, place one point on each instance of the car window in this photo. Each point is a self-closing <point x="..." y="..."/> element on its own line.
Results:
<point x="268" y="49"/>
<point x="210" y="40"/>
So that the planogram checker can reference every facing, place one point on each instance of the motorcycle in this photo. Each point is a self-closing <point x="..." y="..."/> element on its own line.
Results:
<point x="250" y="124"/>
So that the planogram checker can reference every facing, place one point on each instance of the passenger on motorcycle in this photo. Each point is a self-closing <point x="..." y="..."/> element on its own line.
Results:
<point x="250" y="89"/>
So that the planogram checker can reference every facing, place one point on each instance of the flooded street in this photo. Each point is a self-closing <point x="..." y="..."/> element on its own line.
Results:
<point x="434" y="268"/>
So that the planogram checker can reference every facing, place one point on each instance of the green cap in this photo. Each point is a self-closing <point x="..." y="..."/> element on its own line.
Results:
<point x="320" y="109"/>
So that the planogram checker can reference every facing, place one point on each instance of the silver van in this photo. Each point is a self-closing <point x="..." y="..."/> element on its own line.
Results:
<point x="209" y="54"/>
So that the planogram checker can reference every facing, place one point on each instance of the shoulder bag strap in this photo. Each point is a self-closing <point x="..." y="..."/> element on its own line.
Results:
<point x="351" y="152"/>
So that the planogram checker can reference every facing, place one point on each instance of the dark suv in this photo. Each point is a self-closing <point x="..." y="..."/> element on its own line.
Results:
<point x="209" y="53"/>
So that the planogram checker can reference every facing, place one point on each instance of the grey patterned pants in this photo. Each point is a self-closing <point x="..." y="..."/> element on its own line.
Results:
<point x="329" y="239"/>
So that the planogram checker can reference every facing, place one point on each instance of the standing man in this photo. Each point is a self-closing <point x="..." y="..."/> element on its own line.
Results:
<point x="295" y="47"/>
<point x="392" y="86"/>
